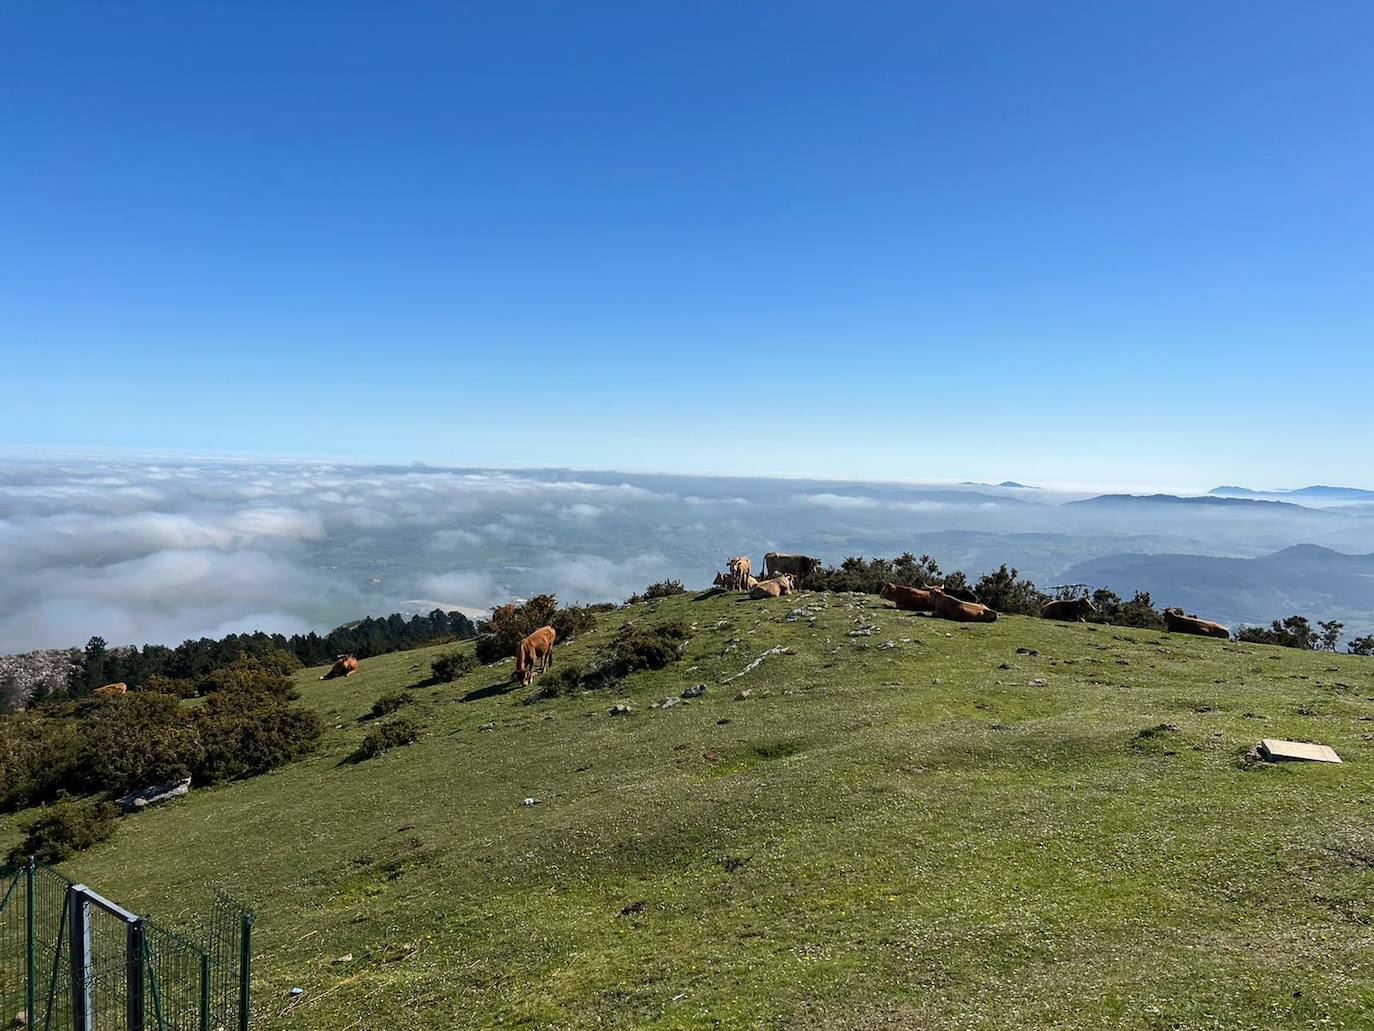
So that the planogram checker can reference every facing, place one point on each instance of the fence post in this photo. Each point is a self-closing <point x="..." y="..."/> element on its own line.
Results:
<point x="134" y="954"/>
<point x="79" y="936"/>
<point x="245" y="968"/>
<point x="205" y="991"/>
<point x="30" y="935"/>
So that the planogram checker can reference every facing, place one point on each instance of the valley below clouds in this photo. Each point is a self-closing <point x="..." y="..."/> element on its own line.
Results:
<point x="158" y="550"/>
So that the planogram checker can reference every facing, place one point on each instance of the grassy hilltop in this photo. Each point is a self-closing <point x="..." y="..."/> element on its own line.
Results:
<point x="951" y="832"/>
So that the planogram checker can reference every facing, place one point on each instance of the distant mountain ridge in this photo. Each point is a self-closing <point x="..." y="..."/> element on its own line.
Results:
<point x="1318" y="491"/>
<point x="1202" y="500"/>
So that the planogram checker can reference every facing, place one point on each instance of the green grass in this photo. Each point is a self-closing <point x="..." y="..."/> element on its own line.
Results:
<point x="945" y="834"/>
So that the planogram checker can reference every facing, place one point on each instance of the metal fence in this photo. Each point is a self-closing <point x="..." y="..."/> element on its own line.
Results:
<point x="72" y="960"/>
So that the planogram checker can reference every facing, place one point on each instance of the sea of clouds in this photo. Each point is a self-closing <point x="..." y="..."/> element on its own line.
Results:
<point x="143" y="550"/>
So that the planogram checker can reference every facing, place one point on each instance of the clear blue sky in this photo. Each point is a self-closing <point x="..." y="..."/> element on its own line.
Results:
<point x="1095" y="242"/>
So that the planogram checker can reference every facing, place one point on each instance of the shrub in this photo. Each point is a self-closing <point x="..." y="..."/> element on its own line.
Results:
<point x="248" y="675"/>
<point x="176" y="687"/>
<point x="388" y="735"/>
<point x="573" y="620"/>
<point x="868" y="575"/>
<point x="562" y="681"/>
<point x="131" y="741"/>
<point x="664" y="589"/>
<point x="1001" y="590"/>
<point x="636" y="647"/>
<point x="1138" y="612"/>
<point x="243" y="735"/>
<point x="1361" y="645"/>
<point x="389" y="703"/>
<point x="59" y="831"/>
<point x="452" y="665"/>
<point x="1293" y="632"/>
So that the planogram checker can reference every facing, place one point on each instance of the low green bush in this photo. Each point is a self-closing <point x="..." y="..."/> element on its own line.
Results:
<point x="61" y="830"/>
<point x="391" y="734"/>
<point x="562" y="681"/>
<point x="389" y="703"/>
<point x="452" y="665"/>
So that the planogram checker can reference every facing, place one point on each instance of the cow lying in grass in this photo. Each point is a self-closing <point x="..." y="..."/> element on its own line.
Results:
<point x="535" y="654"/>
<point x="344" y="666"/>
<point x="962" y="611"/>
<point x="774" y="588"/>
<point x="908" y="599"/>
<point x="1070" y="609"/>
<point x="1176" y="621"/>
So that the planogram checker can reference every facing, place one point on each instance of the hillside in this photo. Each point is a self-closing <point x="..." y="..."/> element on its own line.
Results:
<point x="950" y="831"/>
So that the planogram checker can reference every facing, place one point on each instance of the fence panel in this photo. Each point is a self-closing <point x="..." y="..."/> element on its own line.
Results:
<point x="72" y="959"/>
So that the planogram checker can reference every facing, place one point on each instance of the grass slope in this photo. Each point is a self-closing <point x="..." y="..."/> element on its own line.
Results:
<point x="944" y="833"/>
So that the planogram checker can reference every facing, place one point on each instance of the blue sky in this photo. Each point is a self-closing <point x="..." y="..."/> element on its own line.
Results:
<point x="1067" y="242"/>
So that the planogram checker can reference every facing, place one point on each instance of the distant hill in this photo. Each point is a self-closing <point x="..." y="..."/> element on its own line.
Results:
<point x="1012" y="484"/>
<point x="1307" y="579"/>
<point x="1317" y="492"/>
<point x="1199" y="501"/>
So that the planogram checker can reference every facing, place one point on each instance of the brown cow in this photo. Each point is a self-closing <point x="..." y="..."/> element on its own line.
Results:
<point x="536" y="650"/>
<point x="799" y="566"/>
<point x="1070" y="609"/>
<point x="119" y="688"/>
<point x="908" y="599"/>
<point x="344" y="666"/>
<point x="1175" y="620"/>
<point x="724" y="581"/>
<point x="773" y="588"/>
<point x="740" y="568"/>
<point x="947" y="607"/>
<point x="960" y="594"/>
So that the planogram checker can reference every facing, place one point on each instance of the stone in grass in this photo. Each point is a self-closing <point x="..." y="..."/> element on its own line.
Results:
<point x="1276" y="750"/>
<point x="694" y="692"/>
<point x="743" y="695"/>
<point x="136" y="800"/>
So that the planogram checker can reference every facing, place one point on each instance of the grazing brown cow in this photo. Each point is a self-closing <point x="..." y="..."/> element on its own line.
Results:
<point x="947" y="607"/>
<point x="535" y="655"/>
<point x="773" y="588"/>
<point x="344" y="666"/>
<point x="1070" y="609"/>
<point x="740" y="567"/>
<point x="908" y="599"/>
<point x="1175" y="620"/>
<point x="800" y="566"/>
<point x="120" y="688"/>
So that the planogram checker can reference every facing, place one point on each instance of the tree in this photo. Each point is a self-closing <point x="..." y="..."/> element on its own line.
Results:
<point x="93" y="665"/>
<point x="1330" y="637"/>
<point x="1001" y="590"/>
<point x="1293" y="632"/>
<point x="1361" y="645"/>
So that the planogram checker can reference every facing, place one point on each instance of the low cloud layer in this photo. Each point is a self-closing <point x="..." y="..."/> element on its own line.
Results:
<point x="158" y="551"/>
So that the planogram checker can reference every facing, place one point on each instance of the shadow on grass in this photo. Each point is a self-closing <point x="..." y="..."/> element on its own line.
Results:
<point x="714" y="592"/>
<point x="491" y="691"/>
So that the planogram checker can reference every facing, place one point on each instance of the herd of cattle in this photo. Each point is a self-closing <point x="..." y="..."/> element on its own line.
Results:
<point x="782" y="573"/>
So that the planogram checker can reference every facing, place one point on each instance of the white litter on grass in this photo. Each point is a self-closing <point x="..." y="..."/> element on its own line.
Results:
<point x="776" y="650"/>
<point x="531" y="801"/>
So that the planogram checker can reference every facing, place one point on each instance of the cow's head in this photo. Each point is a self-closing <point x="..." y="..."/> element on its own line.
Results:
<point x="1085" y="604"/>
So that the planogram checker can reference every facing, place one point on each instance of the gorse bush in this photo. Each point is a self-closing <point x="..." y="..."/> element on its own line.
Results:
<point x="573" y="620"/>
<point x="868" y="575"/>
<point x="120" y="743"/>
<point x="1003" y="591"/>
<point x="636" y="647"/>
<point x="562" y="681"/>
<point x="59" y="831"/>
<point x="510" y="624"/>
<point x="391" y="734"/>
<point x="452" y="665"/>
<point x="389" y="703"/>
<point x="1293" y="632"/>
<point x="1138" y="612"/>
